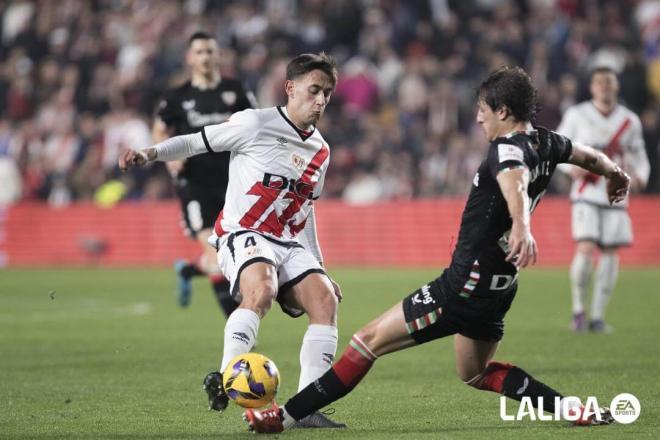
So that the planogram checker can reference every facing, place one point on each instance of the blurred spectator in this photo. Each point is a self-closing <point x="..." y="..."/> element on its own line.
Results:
<point x="10" y="178"/>
<point x="79" y="80"/>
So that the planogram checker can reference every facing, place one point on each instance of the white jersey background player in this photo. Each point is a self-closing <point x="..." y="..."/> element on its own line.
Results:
<point x="603" y="124"/>
<point x="266" y="234"/>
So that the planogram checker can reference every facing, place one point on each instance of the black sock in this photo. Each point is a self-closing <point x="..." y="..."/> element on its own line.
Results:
<point x="518" y="384"/>
<point x="222" y="295"/>
<point x="323" y="391"/>
<point x="191" y="270"/>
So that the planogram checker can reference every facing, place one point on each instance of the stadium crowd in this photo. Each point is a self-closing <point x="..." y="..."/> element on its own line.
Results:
<point x="79" y="81"/>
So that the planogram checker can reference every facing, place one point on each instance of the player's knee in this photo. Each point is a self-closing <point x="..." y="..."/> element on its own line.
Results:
<point x="323" y="309"/>
<point x="259" y="298"/>
<point x="585" y="247"/>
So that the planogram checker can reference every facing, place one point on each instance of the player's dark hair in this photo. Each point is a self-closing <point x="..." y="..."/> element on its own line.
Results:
<point x="511" y="87"/>
<point x="600" y="69"/>
<point x="199" y="35"/>
<point x="305" y="63"/>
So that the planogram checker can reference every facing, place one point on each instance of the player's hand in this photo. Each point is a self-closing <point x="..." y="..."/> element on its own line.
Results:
<point x="337" y="290"/>
<point x="132" y="158"/>
<point x="523" y="246"/>
<point x="618" y="184"/>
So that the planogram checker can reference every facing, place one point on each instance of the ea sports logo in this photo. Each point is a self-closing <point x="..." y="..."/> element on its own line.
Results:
<point x="625" y="408"/>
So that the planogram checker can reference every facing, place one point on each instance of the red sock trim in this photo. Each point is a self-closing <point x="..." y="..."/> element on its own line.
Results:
<point x="352" y="366"/>
<point x="492" y="378"/>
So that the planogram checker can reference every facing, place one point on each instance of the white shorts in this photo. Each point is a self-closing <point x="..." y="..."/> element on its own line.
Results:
<point x="607" y="227"/>
<point x="237" y="250"/>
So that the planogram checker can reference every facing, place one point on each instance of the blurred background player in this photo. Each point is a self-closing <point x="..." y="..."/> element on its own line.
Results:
<point x="472" y="296"/>
<point x="201" y="181"/>
<point x="613" y="129"/>
<point x="266" y="234"/>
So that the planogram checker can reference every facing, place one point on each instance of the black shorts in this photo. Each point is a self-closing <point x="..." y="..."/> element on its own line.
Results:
<point x="200" y="205"/>
<point x="433" y="312"/>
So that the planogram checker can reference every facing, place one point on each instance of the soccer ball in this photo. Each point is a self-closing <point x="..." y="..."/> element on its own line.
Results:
<point x="251" y="380"/>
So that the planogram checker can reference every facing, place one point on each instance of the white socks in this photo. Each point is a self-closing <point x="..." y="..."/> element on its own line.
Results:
<point x="580" y="274"/>
<point x="240" y="335"/>
<point x="606" y="275"/>
<point x="316" y="353"/>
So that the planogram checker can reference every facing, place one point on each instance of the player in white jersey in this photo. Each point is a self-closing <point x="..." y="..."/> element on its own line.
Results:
<point x="604" y="124"/>
<point x="266" y="234"/>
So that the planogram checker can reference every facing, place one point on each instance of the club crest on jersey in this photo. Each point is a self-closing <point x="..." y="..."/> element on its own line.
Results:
<point x="298" y="162"/>
<point x="228" y="97"/>
<point x="188" y="105"/>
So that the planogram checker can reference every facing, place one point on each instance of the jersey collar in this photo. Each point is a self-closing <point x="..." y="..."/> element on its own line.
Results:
<point x="529" y="130"/>
<point x="201" y="86"/>
<point x="304" y="134"/>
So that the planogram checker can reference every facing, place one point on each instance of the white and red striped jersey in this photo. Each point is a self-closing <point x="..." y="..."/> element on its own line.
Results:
<point x="275" y="173"/>
<point x="619" y="135"/>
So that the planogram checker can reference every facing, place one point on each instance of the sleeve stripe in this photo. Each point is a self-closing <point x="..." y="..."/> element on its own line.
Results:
<point x="206" y="141"/>
<point x="506" y="152"/>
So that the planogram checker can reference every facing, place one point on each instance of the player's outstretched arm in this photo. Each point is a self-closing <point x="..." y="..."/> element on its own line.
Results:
<point x="513" y="184"/>
<point x="159" y="132"/>
<point x="618" y="182"/>
<point x="176" y="148"/>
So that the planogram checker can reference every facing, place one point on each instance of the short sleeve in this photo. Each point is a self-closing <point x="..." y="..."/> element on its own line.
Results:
<point x="235" y="134"/>
<point x="564" y="148"/>
<point x="504" y="156"/>
<point x="166" y="110"/>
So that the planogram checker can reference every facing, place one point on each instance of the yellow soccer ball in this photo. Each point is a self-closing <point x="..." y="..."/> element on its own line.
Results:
<point x="251" y="380"/>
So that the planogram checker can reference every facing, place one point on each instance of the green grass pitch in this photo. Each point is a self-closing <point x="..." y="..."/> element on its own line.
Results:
<point x="96" y="353"/>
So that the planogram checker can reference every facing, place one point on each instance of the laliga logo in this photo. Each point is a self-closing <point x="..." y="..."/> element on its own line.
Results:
<point x="564" y="409"/>
<point x="625" y="409"/>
